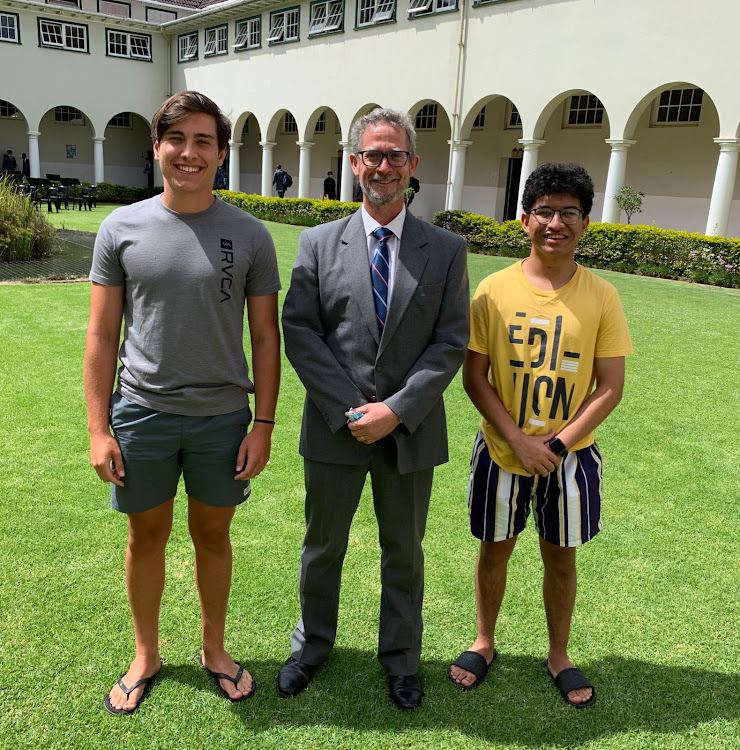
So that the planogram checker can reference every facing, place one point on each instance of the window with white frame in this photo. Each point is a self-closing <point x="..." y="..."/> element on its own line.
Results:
<point x="62" y="35"/>
<point x="424" y="7"/>
<point x="187" y="47"/>
<point x="68" y="115"/>
<point x="9" y="110"/>
<point x="65" y="3"/>
<point x="156" y="15"/>
<point x="284" y="26"/>
<point x="9" y="28"/>
<point x="513" y="118"/>
<point x="426" y="117"/>
<point x="248" y="33"/>
<point x="289" y="123"/>
<point x="121" y="120"/>
<point x="217" y="41"/>
<point x="113" y="8"/>
<point x="326" y="17"/>
<point x="123" y="44"/>
<point x="480" y="119"/>
<point x="375" y="11"/>
<point x="584" y="110"/>
<point x="320" y="124"/>
<point x="678" y="107"/>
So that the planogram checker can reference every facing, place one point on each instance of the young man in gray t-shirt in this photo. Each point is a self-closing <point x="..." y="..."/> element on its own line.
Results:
<point x="178" y="270"/>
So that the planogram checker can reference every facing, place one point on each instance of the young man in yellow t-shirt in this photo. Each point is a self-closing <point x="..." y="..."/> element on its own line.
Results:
<point x="543" y="332"/>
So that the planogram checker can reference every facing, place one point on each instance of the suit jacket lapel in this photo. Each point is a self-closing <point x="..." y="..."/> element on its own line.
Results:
<point x="413" y="256"/>
<point x="357" y="269"/>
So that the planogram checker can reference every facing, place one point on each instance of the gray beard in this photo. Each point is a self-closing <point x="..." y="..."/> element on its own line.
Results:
<point x="376" y="199"/>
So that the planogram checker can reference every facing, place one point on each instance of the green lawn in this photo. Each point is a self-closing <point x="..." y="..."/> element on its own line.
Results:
<point x="657" y="623"/>
<point x="85" y="221"/>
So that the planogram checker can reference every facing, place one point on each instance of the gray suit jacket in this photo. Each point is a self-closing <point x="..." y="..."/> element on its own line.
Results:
<point x="332" y="340"/>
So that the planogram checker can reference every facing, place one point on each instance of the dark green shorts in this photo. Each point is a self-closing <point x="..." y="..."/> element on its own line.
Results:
<point x="157" y="447"/>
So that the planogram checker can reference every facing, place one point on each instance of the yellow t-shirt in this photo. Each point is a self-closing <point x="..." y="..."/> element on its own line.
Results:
<point x="542" y="346"/>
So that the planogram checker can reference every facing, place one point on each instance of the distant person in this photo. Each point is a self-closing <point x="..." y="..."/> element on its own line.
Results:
<point x="330" y="187"/>
<point x="149" y="172"/>
<point x="9" y="162"/>
<point x="278" y="180"/>
<point x="544" y="367"/>
<point x="179" y="269"/>
<point x="415" y="186"/>
<point x="221" y="180"/>
<point x="25" y="166"/>
<point x="357" y="194"/>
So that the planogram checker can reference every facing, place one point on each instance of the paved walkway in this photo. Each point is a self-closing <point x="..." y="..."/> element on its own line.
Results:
<point x="72" y="261"/>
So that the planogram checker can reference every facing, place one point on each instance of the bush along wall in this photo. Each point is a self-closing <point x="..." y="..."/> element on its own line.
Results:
<point x="24" y="232"/>
<point x="107" y="192"/>
<point x="639" y="249"/>
<point x="302" y="211"/>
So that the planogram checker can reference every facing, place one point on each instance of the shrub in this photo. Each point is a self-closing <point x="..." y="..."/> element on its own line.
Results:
<point x="107" y="192"/>
<point x="646" y="250"/>
<point x="302" y="211"/>
<point x="24" y="233"/>
<point x="629" y="200"/>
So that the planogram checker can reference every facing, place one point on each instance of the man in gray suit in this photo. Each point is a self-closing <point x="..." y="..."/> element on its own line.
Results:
<point x="376" y="323"/>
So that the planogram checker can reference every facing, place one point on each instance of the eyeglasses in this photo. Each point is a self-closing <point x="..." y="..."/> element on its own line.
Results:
<point x="375" y="158"/>
<point x="545" y="214"/>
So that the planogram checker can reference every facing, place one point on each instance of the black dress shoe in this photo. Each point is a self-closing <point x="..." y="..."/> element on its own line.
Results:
<point x="293" y="677"/>
<point x="405" y="691"/>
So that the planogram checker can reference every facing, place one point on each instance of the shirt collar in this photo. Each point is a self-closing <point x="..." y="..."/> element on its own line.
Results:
<point x="396" y="225"/>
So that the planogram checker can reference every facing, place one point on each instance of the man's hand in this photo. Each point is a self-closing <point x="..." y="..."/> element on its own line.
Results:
<point x="379" y="420"/>
<point x="104" y="451"/>
<point x="254" y="451"/>
<point x="534" y="453"/>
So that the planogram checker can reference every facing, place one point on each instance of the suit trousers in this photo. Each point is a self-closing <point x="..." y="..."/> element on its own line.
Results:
<point x="401" y="503"/>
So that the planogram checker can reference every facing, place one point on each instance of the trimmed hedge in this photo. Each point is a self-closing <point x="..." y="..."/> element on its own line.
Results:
<point x="302" y="211"/>
<point x="640" y="249"/>
<point x="107" y="192"/>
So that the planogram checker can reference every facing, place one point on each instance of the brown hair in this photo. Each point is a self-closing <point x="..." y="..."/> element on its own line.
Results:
<point x="179" y="106"/>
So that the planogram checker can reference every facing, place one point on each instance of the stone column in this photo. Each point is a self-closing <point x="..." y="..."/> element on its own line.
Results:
<point x="33" y="153"/>
<point x="304" y="169"/>
<point x="724" y="186"/>
<point x="98" y="159"/>
<point x="267" y="170"/>
<point x="234" y="166"/>
<point x="529" y="164"/>
<point x="615" y="178"/>
<point x="345" y="189"/>
<point x="456" y="178"/>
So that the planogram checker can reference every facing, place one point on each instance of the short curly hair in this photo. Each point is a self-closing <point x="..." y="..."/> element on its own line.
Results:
<point x="559" y="179"/>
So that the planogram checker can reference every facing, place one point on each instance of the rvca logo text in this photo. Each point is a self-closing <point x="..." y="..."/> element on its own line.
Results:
<point x="227" y="266"/>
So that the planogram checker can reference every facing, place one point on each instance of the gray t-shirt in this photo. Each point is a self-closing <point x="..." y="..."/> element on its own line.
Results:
<point x="186" y="279"/>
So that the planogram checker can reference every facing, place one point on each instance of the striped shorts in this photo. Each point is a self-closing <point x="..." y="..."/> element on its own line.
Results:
<point x="566" y="503"/>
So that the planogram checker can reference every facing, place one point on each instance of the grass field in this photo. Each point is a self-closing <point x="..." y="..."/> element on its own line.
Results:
<point x="657" y="622"/>
<point x="84" y="221"/>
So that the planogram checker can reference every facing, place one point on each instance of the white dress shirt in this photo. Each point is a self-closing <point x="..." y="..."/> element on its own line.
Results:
<point x="394" y="243"/>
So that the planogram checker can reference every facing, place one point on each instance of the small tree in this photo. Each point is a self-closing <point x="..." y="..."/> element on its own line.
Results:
<point x="629" y="200"/>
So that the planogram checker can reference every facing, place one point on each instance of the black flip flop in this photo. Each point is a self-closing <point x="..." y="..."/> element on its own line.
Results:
<point x="472" y="661"/>
<point x="146" y="681"/>
<point x="221" y="676"/>
<point x="572" y="679"/>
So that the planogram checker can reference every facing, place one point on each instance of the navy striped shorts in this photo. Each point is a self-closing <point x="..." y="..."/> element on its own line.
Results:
<point x="566" y="503"/>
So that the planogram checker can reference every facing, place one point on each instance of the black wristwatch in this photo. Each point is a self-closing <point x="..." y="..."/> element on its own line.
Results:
<point x="557" y="446"/>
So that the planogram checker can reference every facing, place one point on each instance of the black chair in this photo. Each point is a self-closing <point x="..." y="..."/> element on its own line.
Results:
<point x="85" y="199"/>
<point x="50" y="197"/>
<point x="63" y="191"/>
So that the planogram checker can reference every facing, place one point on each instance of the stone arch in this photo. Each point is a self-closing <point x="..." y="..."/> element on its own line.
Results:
<point x="128" y="148"/>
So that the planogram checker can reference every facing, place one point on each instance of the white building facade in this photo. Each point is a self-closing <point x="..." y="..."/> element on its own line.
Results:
<point x="639" y="93"/>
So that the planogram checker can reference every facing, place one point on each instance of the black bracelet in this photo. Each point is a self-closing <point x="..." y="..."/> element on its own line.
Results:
<point x="266" y="421"/>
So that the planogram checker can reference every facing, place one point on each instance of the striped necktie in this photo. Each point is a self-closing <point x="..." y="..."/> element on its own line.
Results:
<point x="379" y="275"/>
